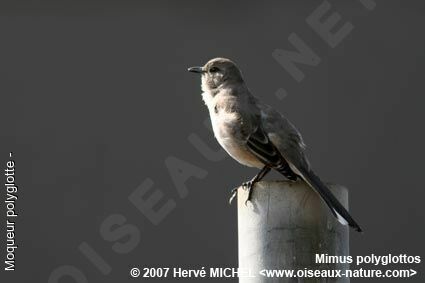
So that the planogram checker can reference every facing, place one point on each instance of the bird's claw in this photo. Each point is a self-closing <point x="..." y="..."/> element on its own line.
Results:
<point x="233" y="194"/>
<point x="246" y="186"/>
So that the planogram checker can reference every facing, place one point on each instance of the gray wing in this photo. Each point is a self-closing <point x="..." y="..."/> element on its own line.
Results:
<point x="286" y="139"/>
<point x="284" y="136"/>
<point x="273" y="139"/>
<point x="260" y="145"/>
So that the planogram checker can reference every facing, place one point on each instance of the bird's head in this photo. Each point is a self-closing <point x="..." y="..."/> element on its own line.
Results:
<point x="217" y="72"/>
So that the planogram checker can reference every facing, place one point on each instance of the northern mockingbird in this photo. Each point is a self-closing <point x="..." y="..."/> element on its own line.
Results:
<point x="256" y="135"/>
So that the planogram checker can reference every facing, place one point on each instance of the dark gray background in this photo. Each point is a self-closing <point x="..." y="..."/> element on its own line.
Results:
<point x="95" y="96"/>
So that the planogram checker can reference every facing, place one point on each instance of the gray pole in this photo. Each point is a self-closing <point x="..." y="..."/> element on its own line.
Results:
<point x="284" y="226"/>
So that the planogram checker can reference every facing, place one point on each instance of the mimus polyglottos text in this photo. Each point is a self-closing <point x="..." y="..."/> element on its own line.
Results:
<point x="255" y="134"/>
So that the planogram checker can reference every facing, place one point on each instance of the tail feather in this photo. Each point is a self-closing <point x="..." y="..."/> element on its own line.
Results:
<point x="336" y="207"/>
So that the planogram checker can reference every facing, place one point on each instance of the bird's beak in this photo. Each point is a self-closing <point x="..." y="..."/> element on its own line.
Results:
<point x="198" y="70"/>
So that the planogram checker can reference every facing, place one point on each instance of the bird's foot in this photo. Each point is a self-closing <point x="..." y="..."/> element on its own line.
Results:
<point x="233" y="194"/>
<point x="248" y="186"/>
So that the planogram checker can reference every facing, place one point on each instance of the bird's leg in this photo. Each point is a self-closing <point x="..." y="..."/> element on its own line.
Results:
<point x="250" y="184"/>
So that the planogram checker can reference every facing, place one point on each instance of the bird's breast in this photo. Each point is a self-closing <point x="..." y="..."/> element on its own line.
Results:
<point x="228" y="130"/>
<point x="226" y="125"/>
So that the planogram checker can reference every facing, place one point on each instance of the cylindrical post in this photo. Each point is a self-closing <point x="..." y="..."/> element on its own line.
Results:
<point x="284" y="226"/>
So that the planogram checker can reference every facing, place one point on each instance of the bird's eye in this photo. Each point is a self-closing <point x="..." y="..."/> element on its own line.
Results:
<point x="214" y="69"/>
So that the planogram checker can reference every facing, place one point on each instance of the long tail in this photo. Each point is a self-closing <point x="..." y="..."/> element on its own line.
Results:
<point x="336" y="207"/>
